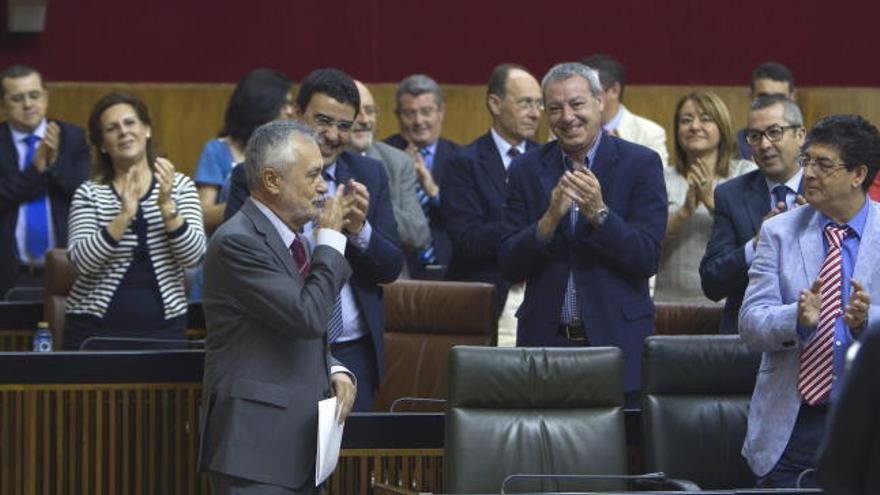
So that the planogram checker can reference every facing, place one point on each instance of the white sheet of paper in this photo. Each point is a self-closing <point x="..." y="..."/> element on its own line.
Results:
<point x="329" y="440"/>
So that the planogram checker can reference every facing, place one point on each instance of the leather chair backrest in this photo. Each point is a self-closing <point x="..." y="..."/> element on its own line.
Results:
<point x="423" y="320"/>
<point x="687" y="318"/>
<point x="533" y="411"/>
<point x="695" y="399"/>
<point x="59" y="278"/>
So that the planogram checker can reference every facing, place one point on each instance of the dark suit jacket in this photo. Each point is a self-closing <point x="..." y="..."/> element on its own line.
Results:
<point x="611" y="264"/>
<point x="439" y="234"/>
<point x="849" y="460"/>
<point x="382" y="260"/>
<point x="59" y="182"/>
<point x="267" y="362"/>
<point x="472" y="204"/>
<point x="740" y="206"/>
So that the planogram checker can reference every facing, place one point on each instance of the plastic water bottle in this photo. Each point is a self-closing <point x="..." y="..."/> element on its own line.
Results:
<point x="42" y="338"/>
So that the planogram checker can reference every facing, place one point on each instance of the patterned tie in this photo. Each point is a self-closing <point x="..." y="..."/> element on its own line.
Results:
<point x="780" y="192"/>
<point x="817" y="358"/>
<point x="300" y="258"/>
<point x="513" y="152"/>
<point x="570" y="313"/>
<point x="37" y="230"/>
<point x="427" y="256"/>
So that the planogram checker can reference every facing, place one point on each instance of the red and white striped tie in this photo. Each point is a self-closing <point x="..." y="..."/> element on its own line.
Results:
<point x="300" y="257"/>
<point x="817" y="358"/>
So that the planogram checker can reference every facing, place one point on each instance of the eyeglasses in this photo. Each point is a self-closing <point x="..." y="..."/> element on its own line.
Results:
<point x="370" y="110"/>
<point x="821" y="166"/>
<point x="322" y="121"/>
<point x="410" y="113"/>
<point x="774" y="133"/>
<point x="529" y="103"/>
<point x="19" y="98"/>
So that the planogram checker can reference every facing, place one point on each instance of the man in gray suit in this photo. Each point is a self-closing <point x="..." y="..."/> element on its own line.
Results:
<point x="813" y="288"/>
<point x="412" y="224"/>
<point x="267" y="306"/>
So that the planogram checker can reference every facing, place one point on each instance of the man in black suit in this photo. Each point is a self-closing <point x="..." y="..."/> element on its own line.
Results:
<point x="775" y="133"/>
<point x="476" y="186"/>
<point x="267" y="305"/>
<point x="328" y="100"/>
<point x="41" y="165"/>
<point x="420" y="111"/>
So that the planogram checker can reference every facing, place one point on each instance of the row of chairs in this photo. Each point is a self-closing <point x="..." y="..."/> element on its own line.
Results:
<point x="555" y="411"/>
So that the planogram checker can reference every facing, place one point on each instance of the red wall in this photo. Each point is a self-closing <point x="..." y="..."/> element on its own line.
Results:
<point x="456" y="41"/>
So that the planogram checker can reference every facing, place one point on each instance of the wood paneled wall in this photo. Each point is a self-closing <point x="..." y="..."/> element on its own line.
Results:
<point x="185" y="116"/>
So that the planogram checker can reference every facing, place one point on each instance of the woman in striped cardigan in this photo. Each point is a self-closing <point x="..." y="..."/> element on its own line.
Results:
<point x="133" y="229"/>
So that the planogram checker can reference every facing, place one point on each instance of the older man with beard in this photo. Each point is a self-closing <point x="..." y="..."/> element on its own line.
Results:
<point x="412" y="224"/>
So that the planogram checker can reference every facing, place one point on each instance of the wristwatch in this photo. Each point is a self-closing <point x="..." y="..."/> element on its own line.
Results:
<point x="601" y="216"/>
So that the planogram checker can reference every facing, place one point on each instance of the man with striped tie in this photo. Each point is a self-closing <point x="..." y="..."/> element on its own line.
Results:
<point x="420" y="112"/>
<point x="41" y="164"/>
<point x="814" y="287"/>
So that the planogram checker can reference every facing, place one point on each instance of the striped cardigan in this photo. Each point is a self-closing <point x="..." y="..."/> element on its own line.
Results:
<point x="101" y="262"/>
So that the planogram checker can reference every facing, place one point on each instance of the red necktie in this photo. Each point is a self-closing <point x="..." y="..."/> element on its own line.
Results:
<point x="817" y="358"/>
<point x="299" y="257"/>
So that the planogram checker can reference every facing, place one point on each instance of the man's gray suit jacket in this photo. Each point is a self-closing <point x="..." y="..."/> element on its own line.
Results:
<point x="787" y="261"/>
<point x="267" y="360"/>
<point x="412" y="224"/>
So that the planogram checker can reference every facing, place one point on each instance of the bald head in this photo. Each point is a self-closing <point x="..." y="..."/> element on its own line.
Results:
<point x="365" y="124"/>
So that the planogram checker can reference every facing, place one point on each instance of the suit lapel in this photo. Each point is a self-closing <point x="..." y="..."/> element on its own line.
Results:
<point x="8" y="153"/>
<point x="490" y="161"/>
<point x="757" y="200"/>
<point x="869" y="249"/>
<point x="270" y="235"/>
<point x="552" y="167"/>
<point x="812" y="251"/>
<point x="343" y="169"/>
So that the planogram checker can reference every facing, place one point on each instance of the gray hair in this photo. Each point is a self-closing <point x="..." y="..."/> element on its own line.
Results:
<point x="417" y="85"/>
<point x="270" y="147"/>
<point x="791" y="112"/>
<point x="567" y="70"/>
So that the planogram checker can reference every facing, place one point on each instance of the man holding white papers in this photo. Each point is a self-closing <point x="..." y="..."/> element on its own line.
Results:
<point x="268" y="300"/>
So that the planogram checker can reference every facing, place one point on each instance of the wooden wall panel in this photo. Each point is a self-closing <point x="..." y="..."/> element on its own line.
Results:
<point x="185" y="116"/>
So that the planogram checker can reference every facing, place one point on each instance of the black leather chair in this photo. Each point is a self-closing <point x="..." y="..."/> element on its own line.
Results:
<point x="534" y="411"/>
<point x="695" y="399"/>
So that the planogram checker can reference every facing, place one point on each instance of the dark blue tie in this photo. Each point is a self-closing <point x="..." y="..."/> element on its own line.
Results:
<point x="37" y="231"/>
<point x="427" y="256"/>
<point x="779" y="196"/>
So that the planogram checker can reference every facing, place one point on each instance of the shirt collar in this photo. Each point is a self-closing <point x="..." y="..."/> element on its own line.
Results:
<point x="432" y="148"/>
<point x="40" y="132"/>
<point x="856" y="223"/>
<point x="503" y="146"/>
<point x="591" y="154"/>
<point x="614" y="123"/>
<point x="793" y="184"/>
<point x="287" y="235"/>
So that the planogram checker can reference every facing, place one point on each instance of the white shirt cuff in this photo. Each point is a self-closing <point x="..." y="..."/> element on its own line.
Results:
<point x="342" y="369"/>
<point x="362" y="239"/>
<point x="332" y="238"/>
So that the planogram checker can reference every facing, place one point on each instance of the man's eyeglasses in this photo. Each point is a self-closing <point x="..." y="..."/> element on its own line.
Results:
<point x="529" y="103"/>
<point x="822" y="166"/>
<point x="774" y="133"/>
<point x="323" y="122"/>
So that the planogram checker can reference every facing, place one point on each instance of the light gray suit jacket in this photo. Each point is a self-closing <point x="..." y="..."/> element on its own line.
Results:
<point x="412" y="224"/>
<point x="267" y="360"/>
<point x="787" y="261"/>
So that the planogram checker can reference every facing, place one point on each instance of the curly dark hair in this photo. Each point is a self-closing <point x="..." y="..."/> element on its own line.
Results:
<point x="856" y="139"/>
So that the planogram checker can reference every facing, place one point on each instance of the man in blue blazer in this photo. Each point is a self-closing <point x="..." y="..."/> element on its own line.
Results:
<point x="420" y="112"/>
<point x="328" y="101"/>
<point x="776" y="131"/>
<point x="586" y="213"/>
<point x="37" y="181"/>
<point x="476" y="180"/>
<point x="813" y="288"/>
